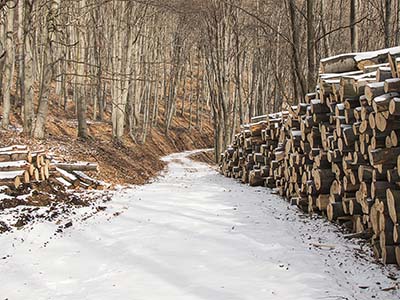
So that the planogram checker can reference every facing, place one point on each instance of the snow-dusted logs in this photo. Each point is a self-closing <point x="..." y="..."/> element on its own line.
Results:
<point x="77" y="166"/>
<point x="13" y="179"/>
<point x="337" y="152"/>
<point x="16" y="166"/>
<point x="250" y="157"/>
<point x="15" y="156"/>
<point x="20" y="166"/>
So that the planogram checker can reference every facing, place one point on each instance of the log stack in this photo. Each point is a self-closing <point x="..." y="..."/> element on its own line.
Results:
<point x="21" y="167"/>
<point x="337" y="152"/>
<point x="255" y="155"/>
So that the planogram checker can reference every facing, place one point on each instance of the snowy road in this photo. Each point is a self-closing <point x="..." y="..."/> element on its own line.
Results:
<point x="190" y="235"/>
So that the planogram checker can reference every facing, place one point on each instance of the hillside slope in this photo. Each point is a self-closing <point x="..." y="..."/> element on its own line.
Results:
<point x="122" y="163"/>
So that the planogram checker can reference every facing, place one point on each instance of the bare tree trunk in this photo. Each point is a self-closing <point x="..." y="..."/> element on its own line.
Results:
<point x="176" y="50"/>
<point x="27" y="69"/>
<point x="353" y="27"/>
<point x="20" y="81"/>
<point x="387" y="24"/>
<point x="238" y="72"/>
<point x="327" y="44"/>
<point x="398" y="22"/>
<point x="310" y="46"/>
<point x="184" y="91"/>
<point x="81" y="104"/>
<point x="296" y="46"/>
<point x="9" y="68"/>
<point x="48" y="64"/>
<point x="198" y="90"/>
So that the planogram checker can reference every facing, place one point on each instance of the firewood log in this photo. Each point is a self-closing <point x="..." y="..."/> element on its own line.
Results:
<point x="71" y="178"/>
<point x="255" y="178"/>
<point x="13" y="179"/>
<point x="397" y="253"/>
<point x="373" y="90"/>
<point x="355" y="208"/>
<point x="389" y="255"/>
<point x="15" y="155"/>
<point x="78" y="166"/>
<point x="322" y="202"/>
<point x="393" y="203"/>
<point x="383" y="73"/>
<point x="394" y="106"/>
<point x="396" y="233"/>
<point x="378" y="189"/>
<point x="392" y="85"/>
<point x="338" y="64"/>
<point x="61" y="182"/>
<point x="13" y="148"/>
<point x="382" y="156"/>
<point x="382" y="102"/>
<point x="392" y="175"/>
<point x="393" y="54"/>
<point x="373" y="57"/>
<point x="334" y="211"/>
<point x="16" y="166"/>
<point x="256" y="128"/>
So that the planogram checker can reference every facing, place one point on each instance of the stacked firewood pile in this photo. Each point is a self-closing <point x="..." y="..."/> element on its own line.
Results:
<point x="251" y="155"/>
<point x="337" y="152"/>
<point x="21" y="167"/>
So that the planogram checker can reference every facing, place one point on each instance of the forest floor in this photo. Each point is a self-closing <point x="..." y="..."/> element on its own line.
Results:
<point x="190" y="234"/>
<point x="122" y="163"/>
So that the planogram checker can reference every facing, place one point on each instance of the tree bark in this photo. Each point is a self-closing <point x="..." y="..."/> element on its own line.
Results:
<point x="310" y="46"/>
<point x="387" y="23"/>
<point x="27" y="69"/>
<point x="48" y="65"/>
<point x="8" y="67"/>
<point x="353" y="27"/>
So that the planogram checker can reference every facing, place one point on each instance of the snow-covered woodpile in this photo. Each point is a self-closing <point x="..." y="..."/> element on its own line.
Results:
<point x="338" y="151"/>
<point x="21" y="167"/>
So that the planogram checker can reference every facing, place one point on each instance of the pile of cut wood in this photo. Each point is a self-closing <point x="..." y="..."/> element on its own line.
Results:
<point x="338" y="151"/>
<point x="21" y="167"/>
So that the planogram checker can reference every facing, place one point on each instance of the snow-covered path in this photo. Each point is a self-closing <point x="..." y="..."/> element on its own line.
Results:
<point x="190" y="235"/>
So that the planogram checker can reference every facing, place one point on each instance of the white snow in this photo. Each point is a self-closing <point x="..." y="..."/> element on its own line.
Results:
<point x="64" y="182"/>
<point x="373" y="54"/>
<point x="376" y="84"/>
<point x="12" y="148"/>
<point x="359" y="56"/>
<point x="11" y="174"/>
<point x="190" y="235"/>
<point x="326" y="76"/>
<point x="11" y="152"/>
<point x="4" y="196"/>
<point x="340" y="56"/>
<point x="16" y="164"/>
<point x="66" y="174"/>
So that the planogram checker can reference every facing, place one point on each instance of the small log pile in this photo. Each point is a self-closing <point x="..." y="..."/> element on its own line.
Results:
<point x="252" y="157"/>
<point x="337" y="152"/>
<point x="21" y="167"/>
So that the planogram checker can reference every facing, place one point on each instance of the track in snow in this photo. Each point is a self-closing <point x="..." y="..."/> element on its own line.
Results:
<point x="190" y="235"/>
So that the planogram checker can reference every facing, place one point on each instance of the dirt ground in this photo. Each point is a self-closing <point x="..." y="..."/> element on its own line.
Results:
<point x="122" y="163"/>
